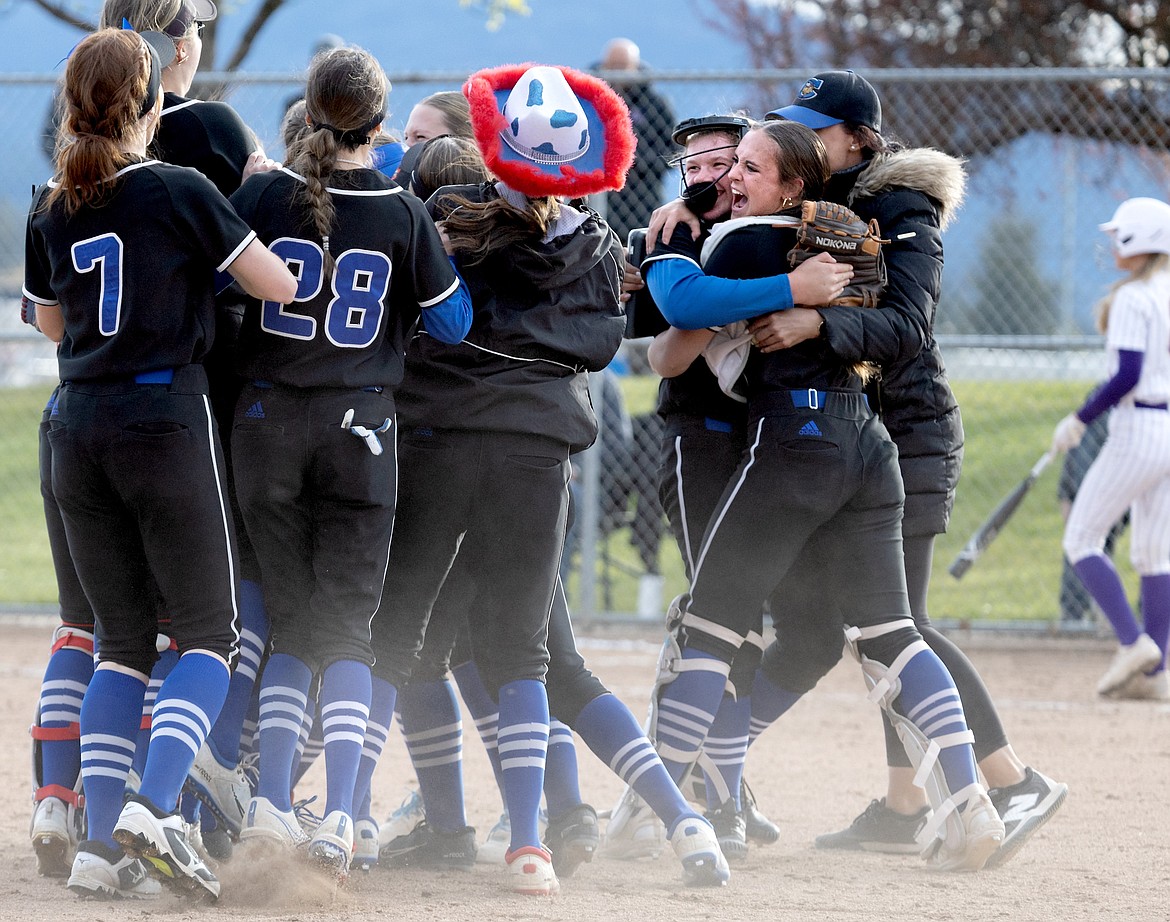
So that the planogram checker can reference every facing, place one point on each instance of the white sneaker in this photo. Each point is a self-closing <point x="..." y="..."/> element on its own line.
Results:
<point x="1142" y="687"/>
<point x="224" y="789"/>
<point x="264" y="822"/>
<point x="697" y="847"/>
<point x="144" y="831"/>
<point x="1139" y="656"/>
<point x="52" y="837"/>
<point x="983" y="833"/>
<point x="531" y="872"/>
<point x="99" y="872"/>
<point x="365" y="844"/>
<point x="494" y="849"/>
<point x="633" y="831"/>
<point x="332" y="844"/>
<point x="402" y="821"/>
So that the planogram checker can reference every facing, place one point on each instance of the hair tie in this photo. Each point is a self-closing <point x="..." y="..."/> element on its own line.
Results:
<point x="352" y="137"/>
<point x="325" y="242"/>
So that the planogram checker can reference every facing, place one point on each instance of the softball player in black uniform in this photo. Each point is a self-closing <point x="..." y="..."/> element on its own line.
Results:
<point x="313" y="442"/>
<point x="820" y="463"/>
<point x="120" y="260"/>
<point x="493" y="420"/>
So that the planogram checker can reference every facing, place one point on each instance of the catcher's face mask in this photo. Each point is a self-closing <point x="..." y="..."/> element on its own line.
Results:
<point x="709" y="143"/>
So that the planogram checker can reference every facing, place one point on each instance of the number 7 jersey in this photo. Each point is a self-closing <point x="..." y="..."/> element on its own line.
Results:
<point x="346" y="328"/>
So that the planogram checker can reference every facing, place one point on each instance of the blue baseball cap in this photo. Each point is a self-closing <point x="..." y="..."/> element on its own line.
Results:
<point x="831" y="98"/>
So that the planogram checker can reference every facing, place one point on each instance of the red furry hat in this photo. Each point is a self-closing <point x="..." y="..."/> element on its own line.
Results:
<point x="547" y="130"/>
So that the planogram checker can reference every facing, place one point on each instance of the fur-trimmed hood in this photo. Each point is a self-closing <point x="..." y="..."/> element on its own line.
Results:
<point x="930" y="171"/>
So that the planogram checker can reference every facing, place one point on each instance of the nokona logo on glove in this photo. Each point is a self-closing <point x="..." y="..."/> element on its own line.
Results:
<point x="826" y="227"/>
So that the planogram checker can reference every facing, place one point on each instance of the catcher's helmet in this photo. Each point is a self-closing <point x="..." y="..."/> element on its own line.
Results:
<point x="1140" y="225"/>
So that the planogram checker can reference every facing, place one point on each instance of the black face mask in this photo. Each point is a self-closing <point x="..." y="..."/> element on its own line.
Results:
<point x="702" y="197"/>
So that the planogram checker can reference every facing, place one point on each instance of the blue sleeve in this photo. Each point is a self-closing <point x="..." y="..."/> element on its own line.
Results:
<point x="691" y="300"/>
<point x="450" y="319"/>
<point x="1129" y="369"/>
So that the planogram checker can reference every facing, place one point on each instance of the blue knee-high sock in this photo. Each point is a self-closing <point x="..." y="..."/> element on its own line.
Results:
<point x="523" y="748"/>
<point x="310" y="743"/>
<point x="484" y="711"/>
<point x="1156" y="611"/>
<point x="382" y="698"/>
<point x="188" y="704"/>
<point x="561" y="788"/>
<point x="685" y="711"/>
<point x="615" y="736"/>
<point x="769" y="703"/>
<point x="189" y="808"/>
<point x="284" y="694"/>
<point x="434" y="740"/>
<point x="224" y="738"/>
<point x="110" y="715"/>
<point x="931" y="702"/>
<point x="726" y="744"/>
<point x="162" y="668"/>
<point x="1104" y="585"/>
<point x="344" y="708"/>
<point x="67" y="676"/>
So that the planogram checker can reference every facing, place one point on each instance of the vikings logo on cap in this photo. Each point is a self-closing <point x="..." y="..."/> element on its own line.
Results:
<point x="547" y="130"/>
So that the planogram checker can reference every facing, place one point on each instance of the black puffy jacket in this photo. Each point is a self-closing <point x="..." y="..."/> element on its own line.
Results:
<point x="913" y="194"/>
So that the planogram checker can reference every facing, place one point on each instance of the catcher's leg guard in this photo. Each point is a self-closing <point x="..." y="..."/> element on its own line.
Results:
<point x="948" y="839"/>
<point x="58" y="820"/>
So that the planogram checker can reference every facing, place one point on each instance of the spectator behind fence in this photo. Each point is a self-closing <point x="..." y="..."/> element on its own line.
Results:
<point x="653" y="119"/>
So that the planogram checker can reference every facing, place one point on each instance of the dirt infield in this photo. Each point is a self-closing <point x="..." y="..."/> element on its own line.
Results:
<point x="1106" y="854"/>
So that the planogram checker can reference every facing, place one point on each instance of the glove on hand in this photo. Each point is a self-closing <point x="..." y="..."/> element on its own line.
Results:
<point x="826" y="227"/>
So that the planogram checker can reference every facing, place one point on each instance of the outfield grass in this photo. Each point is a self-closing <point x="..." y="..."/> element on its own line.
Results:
<point x="1008" y="426"/>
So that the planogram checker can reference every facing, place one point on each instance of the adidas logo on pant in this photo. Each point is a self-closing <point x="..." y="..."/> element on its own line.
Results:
<point x="810" y="428"/>
<point x="255" y="411"/>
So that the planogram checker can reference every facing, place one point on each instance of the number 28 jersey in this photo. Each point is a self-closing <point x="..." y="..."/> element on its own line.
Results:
<point x="135" y="275"/>
<point x="347" y="328"/>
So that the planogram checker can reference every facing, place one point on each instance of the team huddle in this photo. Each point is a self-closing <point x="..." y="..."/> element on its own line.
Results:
<point x="307" y="467"/>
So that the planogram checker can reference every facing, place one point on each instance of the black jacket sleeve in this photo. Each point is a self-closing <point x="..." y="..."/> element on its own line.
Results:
<point x="897" y="330"/>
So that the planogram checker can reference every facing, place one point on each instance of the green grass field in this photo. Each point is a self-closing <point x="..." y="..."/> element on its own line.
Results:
<point x="1017" y="578"/>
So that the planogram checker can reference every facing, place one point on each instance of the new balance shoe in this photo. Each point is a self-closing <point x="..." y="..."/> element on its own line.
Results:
<point x="402" y="821"/>
<point x="53" y="838"/>
<point x="879" y="829"/>
<point x="697" y="847"/>
<point x="265" y="823"/>
<point x="757" y="826"/>
<point x="633" y="831"/>
<point x="100" y="872"/>
<point x="572" y="838"/>
<point x="730" y="829"/>
<point x="1143" y="687"/>
<point x="331" y="846"/>
<point x="365" y="843"/>
<point x="531" y="872"/>
<point x="224" y="789"/>
<point x="983" y="834"/>
<point x="146" y="832"/>
<point x="494" y="848"/>
<point x="1024" y="808"/>
<point x="1130" y="659"/>
<point x="427" y="847"/>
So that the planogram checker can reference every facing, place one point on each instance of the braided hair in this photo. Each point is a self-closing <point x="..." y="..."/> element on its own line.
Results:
<point x="107" y="84"/>
<point x="345" y="100"/>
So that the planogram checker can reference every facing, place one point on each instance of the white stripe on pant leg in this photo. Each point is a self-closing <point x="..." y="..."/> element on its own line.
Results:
<point x="721" y="513"/>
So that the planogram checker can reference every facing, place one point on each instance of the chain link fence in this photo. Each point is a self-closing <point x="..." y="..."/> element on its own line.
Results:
<point x="1049" y="154"/>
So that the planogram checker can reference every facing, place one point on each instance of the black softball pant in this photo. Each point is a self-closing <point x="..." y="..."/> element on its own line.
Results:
<point x="698" y="459"/>
<point x="319" y="508"/>
<point x="137" y="472"/>
<point x="570" y="683"/>
<point x="499" y="498"/>
<point x="822" y="478"/>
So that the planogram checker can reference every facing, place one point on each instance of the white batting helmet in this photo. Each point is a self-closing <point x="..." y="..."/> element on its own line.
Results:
<point x="1140" y="225"/>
